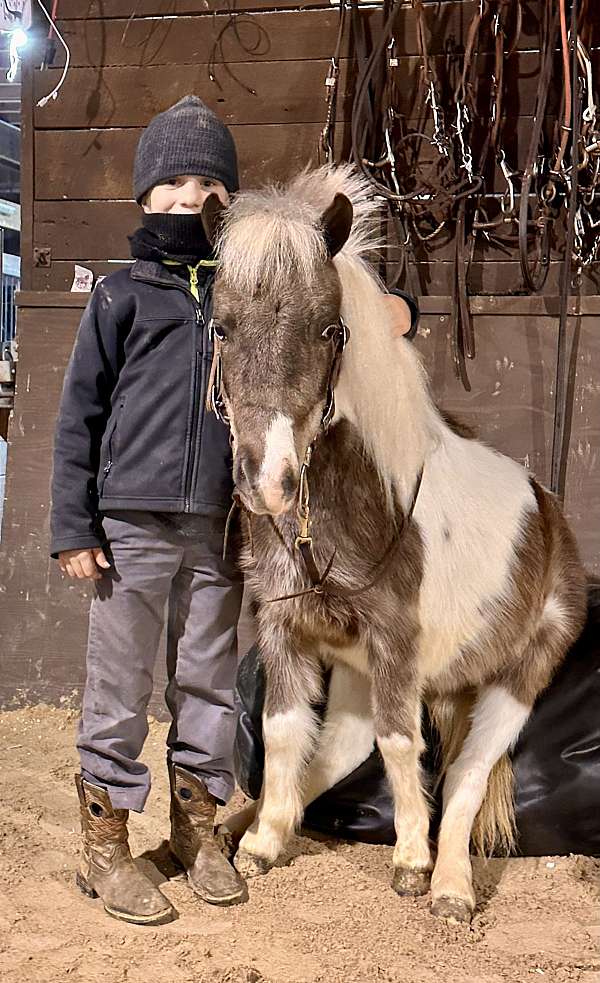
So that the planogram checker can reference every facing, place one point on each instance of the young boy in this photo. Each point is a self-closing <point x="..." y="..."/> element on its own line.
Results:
<point x="140" y="492"/>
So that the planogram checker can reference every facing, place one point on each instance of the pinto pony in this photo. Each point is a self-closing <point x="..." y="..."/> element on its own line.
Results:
<point x="387" y="545"/>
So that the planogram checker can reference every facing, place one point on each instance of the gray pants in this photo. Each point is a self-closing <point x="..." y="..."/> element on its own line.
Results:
<point x="161" y="562"/>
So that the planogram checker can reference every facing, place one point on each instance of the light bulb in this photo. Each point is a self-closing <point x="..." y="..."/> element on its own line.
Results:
<point x="19" y="37"/>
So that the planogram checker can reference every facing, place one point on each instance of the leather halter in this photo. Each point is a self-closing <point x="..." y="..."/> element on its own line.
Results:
<point x="338" y="334"/>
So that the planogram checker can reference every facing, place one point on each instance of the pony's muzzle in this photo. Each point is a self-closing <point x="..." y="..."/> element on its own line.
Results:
<point x="272" y="491"/>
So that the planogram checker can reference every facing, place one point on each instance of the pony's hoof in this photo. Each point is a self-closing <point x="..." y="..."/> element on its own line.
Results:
<point x="227" y="840"/>
<point x="410" y="883"/>
<point x="249" y="865"/>
<point x="453" y="910"/>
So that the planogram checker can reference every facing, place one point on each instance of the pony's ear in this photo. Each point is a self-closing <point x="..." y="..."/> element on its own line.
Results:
<point x="336" y="222"/>
<point x="212" y="216"/>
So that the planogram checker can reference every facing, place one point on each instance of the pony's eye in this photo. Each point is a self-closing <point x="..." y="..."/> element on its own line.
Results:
<point x="217" y="330"/>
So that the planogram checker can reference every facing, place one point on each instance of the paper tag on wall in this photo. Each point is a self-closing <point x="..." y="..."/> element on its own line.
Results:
<point x="83" y="280"/>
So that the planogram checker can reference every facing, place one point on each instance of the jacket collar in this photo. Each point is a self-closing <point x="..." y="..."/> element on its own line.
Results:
<point x="152" y="271"/>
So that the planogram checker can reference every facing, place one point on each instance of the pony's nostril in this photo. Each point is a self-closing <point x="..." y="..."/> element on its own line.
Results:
<point x="289" y="482"/>
<point x="244" y="468"/>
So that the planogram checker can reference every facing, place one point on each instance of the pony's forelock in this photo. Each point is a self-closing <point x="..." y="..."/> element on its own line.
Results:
<point x="272" y="234"/>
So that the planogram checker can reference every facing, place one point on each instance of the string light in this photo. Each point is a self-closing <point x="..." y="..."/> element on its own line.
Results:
<point x="18" y="40"/>
<point x="56" y="89"/>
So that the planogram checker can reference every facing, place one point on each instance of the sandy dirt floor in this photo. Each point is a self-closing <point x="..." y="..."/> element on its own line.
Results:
<point x="326" y="915"/>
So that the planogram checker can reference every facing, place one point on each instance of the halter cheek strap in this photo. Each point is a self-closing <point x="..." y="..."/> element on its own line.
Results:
<point x="215" y="392"/>
<point x="339" y="335"/>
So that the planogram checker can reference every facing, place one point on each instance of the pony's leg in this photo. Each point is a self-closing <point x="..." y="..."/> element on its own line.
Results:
<point x="293" y="680"/>
<point x="497" y="720"/>
<point x="346" y="737"/>
<point x="397" y="714"/>
<point x="345" y="740"/>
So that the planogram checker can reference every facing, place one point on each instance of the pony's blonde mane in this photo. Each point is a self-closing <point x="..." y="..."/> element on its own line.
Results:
<point x="270" y="234"/>
<point x="275" y="232"/>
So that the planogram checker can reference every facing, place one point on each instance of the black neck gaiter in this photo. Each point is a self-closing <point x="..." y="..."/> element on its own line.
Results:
<point x="176" y="237"/>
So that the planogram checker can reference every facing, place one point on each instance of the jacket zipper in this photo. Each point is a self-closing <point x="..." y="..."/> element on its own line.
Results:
<point x="108" y="466"/>
<point x="189" y="477"/>
<point x="196" y="408"/>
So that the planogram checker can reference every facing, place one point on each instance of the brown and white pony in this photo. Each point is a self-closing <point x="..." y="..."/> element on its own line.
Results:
<point x="468" y="602"/>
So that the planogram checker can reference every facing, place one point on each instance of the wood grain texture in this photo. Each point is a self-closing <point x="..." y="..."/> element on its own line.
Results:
<point x="182" y="40"/>
<point x="76" y="9"/>
<point x="84" y="165"/>
<point x="290" y="91"/>
<point x="28" y="175"/>
<point x="43" y="654"/>
<point x="286" y="92"/>
<point x="290" y="34"/>
<point x="434" y="279"/>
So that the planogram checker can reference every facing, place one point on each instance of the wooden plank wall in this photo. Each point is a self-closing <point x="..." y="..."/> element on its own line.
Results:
<point x="270" y="90"/>
<point x="45" y="617"/>
<point x="77" y="159"/>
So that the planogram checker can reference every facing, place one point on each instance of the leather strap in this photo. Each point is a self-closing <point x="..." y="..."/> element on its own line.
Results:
<point x="534" y="275"/>
<point x="559" y="449"/>
<point x="327" y="136"/>
<point x="318" y="581"/>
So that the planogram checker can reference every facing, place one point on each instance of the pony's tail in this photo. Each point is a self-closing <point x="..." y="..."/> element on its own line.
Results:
<point x="494" y="829"/>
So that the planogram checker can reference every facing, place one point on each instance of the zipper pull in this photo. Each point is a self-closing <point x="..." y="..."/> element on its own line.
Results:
<point x="199" y="316"/>
<point x="194" y="281"/>
<point x="107" y="467"/>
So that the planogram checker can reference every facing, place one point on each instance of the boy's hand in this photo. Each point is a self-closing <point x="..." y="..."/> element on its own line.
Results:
<point x="400" y="314"/>
<point x="82" y="564"/>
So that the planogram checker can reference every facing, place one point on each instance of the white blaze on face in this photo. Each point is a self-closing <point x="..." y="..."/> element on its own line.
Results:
<point x="280" y="454"/>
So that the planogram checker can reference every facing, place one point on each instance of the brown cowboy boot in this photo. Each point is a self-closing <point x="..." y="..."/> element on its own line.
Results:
<point x="107" y="869"/>
<point x="193" y="842"/>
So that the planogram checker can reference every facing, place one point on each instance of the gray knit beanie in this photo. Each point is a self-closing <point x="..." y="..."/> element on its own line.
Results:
<point x="186" y="139"/>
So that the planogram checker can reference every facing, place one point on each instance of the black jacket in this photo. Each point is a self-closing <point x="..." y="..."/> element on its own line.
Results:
<point x="132" y="431"/>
